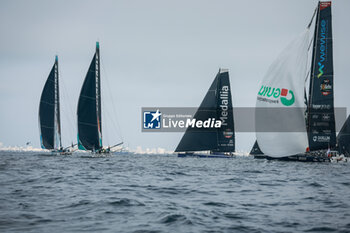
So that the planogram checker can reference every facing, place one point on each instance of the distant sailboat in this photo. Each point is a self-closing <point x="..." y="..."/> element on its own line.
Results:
<point x="283" y="88"/>
<point x="216" y="142"/>
<point x="49" y="114"/>
<point x="343" y="138"/>
<point x="256" y="151"/>
<point x="89" y="111"/>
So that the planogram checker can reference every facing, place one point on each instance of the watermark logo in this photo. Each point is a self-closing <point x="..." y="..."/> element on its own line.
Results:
<point x="152" y="119"/>
<point x="273" y="95"/>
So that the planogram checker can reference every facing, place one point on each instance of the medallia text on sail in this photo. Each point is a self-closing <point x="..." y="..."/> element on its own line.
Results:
<point x="89" y="108"/>
<point x="49" y="112"/>
<point x="216" y="104"/>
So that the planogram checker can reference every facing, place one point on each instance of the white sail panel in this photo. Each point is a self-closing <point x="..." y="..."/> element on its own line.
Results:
<point x="280" y="102"/>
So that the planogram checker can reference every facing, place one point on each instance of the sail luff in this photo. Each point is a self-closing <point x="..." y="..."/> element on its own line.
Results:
<point x="313" y="64"/>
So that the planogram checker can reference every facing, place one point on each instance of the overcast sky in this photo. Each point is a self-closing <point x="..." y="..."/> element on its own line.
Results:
<point x="153" y="53"/>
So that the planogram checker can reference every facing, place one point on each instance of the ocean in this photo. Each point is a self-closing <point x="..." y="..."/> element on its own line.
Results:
<point x="163" y="193"/>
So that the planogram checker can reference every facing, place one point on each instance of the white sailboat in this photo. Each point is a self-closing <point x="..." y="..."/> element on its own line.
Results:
<point x="303" y="126"/>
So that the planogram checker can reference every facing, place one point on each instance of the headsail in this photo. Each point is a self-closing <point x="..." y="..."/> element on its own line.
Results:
<point x="321" y="120"/>
<point x="343" y="138"/>
<point x="281" y="91"/>
<point x="216" y="104"/>
<point x="49" y="111"/>
<point x="89" y="108"/>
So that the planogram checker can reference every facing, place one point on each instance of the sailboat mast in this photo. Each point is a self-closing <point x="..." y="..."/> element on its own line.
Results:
<point x="98" y="93"/>
<point x="57" y="105"/>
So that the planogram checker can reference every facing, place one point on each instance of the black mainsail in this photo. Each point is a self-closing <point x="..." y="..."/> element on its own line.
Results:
<point x="216" y="104"/>
<point x="49" y="112"/>
<point x="89" y="108"/>
<point x="321" y="120"/>
<point x="343" y="138"/>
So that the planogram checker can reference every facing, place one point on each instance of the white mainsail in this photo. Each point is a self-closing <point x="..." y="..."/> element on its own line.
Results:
<point x="279" y="116"/>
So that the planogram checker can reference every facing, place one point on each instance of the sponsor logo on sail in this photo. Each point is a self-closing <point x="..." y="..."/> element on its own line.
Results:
<point x="321" y="138"/>
<point x="326" y="87"/>
<point x="323" y="47"/>
<point x="274" y="95"/>
<point x="326" y="117"/>
<point x="228" y="133"/>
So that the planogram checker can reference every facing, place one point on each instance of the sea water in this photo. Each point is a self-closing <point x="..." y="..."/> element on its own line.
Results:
<point x="163" y="193"/>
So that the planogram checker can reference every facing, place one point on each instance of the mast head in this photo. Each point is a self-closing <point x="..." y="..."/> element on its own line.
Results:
<point x="56" y="58"/>
<point x="221" y="70"/>
<point x="97" y="45"/>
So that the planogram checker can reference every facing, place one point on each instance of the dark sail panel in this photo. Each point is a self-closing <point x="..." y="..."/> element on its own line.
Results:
<point x="344" y="138"/>
<point x="201" y="140"/>
<point x="321" y="121"/>
<point x="47" y="110"/>
<point x="226" y="134"/>
<point x="256" y="149"/>
<point x="89" y="108"/>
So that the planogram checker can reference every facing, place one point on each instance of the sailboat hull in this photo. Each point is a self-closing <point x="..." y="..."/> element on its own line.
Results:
<point x="304" y="157"/>
<point x="205" y="155"/>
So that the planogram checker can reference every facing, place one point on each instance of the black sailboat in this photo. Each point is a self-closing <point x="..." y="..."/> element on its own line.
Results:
<point x="89" y="112"/>
<point x="49" y="113"/>
<point x="256" y="151"/>
<point x="217" y="142"/>
<point x="343" y="139"/>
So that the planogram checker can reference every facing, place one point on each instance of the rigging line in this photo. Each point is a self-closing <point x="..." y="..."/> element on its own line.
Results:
<point x="313" y="67"/>
<point x="309" y="25"/>
<point x="70" y="110"/>
<point x="307" y="75"/>
<point x="117" y="126"/>
<point x="311" y="41"/>
<point x="106" y="114"/>
<point x="110" y="118"/>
